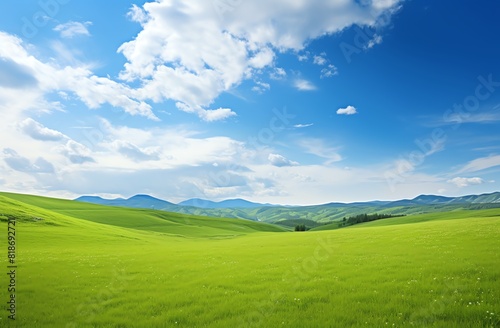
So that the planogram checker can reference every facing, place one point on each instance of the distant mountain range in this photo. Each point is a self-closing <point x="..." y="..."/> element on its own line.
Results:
<point x="434" y="200"/>
<point x="137" y="201"/>
<point x="240" y="208"/>
<point x="229" y="203"/>
<point x="146" y="201"/>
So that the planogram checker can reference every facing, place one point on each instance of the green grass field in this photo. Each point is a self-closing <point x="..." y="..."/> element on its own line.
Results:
<point x="82" y="265"/>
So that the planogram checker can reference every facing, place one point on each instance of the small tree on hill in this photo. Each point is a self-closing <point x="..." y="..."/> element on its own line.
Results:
<point x="300" y="227"/>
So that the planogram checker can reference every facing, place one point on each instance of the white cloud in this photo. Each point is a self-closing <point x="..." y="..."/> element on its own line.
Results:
<point x="72" y="29"/>
<point x="94" y="91"/>
<point x="173" y="147"/>
<point x="137" y="14"/>
<point x="304" y="85"/>
<point x="181" y="165"/>
<point x="303" y="57"/>
<point x="171" y="160"/>
<point x="277" y="73"/>
<point x="64" y="55"/>
<point x="120" y="160"/>
<point x="76" y="152"/>
<point x="316" y="184"/>
<point x="402" y="171"/>
<point x="15" y="76"/>
<point x="480" y="164"/>
<point x="349" y="110"/>
<point x="300" y="126"/>
<point x="320" y="148"/>
<point x="39" y="132"/>
<point x="280" y="161"/>
<point x="329" y="71"/>
<point x="377" y="39"/>
<point x="465" y="182"/>
<point x="482" y="118"/>
<point x="23" y="164"/>
<point x="135" y="153"/>
<point x="191" y="52"/>
<point x="319" y="60"/>
<point x="261" y="87"/>
<point x="208" y="115"/>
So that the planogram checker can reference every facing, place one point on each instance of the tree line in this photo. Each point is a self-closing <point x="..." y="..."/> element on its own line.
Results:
<point x="301" y="227"/>
<point x="352" y="220"/>
<point x="361" y="218"/>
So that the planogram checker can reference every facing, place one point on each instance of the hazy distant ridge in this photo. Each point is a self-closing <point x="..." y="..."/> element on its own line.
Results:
<point x="240" y="208"/>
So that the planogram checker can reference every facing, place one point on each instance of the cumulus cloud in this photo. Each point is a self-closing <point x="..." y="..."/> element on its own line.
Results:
<point x="23" y="164"/>
<point x="174" y="58"/>
<point x="39" y="132"/>
<point x="174" y="146"/>
<point x="280" y="161"/>
<point x="93" y="90"/>
<point x="135" y="153"/>
<point x="191" y="52"/>
<point x="304" y="85"/>
<point x="72" y="29"/>
<point x="465" y="182"/>
<point x="76" y="152"/>
<point x="349" y="110"/>
<point x="229" y="49"/>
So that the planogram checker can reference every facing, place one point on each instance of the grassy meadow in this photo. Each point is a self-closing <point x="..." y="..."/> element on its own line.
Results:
<point x="83" y="265"/>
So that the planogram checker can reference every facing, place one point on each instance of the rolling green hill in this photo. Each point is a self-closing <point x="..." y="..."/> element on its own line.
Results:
<point x="437" y="216"/>
<point x="84" y="265"/>
<point x="141" y="219"/>
<point x="321" y="214"/>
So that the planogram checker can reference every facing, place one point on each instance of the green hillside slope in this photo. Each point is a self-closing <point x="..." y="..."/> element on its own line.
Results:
<point x="76" y="271"/>
<point x="141" y="219"/>
<point x="418" y="218"/>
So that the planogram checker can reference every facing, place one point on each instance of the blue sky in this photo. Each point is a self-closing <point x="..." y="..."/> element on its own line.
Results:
<point x="288" y="102"/>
